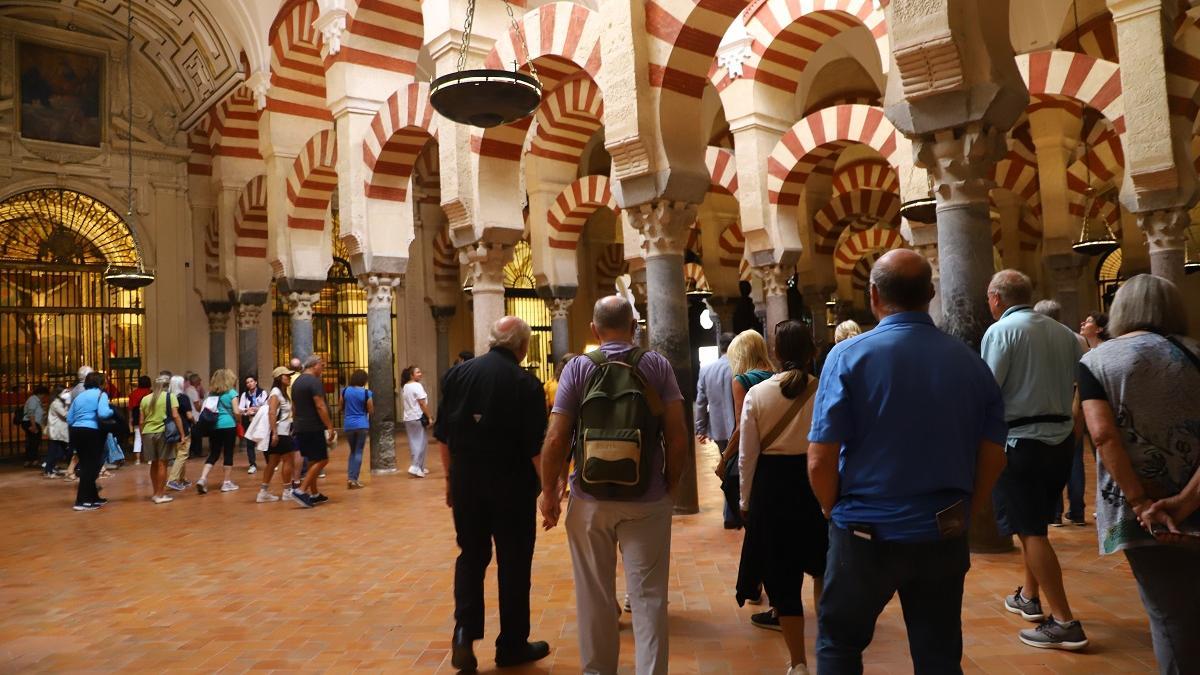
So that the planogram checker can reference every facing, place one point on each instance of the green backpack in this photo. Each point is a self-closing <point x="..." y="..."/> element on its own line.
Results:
<point x="618" y="430"/>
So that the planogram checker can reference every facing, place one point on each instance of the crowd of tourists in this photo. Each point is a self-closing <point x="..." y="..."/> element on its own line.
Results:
<point x="862" y="467"/>
<point x="287" y="425"/>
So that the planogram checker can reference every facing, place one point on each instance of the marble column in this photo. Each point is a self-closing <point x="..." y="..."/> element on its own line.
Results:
<point x="1166" y="234"/>
<point x="381" y="369"/>
<point x="637" y="288"/>
<point x="247" y="327"/>
<point x="487" y="261"/>
<point x="218" y="320"/>
<point x="664" y="230"/>
<point x="960" y="162"/>
<point x="560" y="327"/>
<point x="1063" y="270"/>
<point x="925" y="242"/>
<point x="775" y="288"/>
<point x="441" y="320"/>
<point x="300" y="309"/>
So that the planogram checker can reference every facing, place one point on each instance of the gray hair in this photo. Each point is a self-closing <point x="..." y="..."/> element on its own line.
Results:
<point x="509" y="332"/>
<point x="1048" y="307"/>
<point x="84" y="371"/>
<point x="1012" y="286"/>
<point x="176" y="386"/>
<point x="1147" y="302"/>
<point x="612" y="313"/>
<point x="313" y="360"/>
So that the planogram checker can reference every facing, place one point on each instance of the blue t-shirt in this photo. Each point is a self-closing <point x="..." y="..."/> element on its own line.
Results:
<point x="909" y="406"/>
<point x="225" y="418"/>
<point x="87" y="408"/>
<point x="354" y="408"/>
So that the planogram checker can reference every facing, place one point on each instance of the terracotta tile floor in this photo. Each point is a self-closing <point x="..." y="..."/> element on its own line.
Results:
<point x="363" y="583"/>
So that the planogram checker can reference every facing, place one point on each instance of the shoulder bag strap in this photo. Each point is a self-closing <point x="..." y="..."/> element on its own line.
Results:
<point x="793" y="410"/>
<point x="1191" y="356"/>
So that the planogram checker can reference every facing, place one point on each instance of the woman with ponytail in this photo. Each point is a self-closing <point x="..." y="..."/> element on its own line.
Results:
<point x="786" y="534"/>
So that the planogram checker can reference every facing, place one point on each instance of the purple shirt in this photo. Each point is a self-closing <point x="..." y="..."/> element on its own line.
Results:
<point x="658" y="373"/>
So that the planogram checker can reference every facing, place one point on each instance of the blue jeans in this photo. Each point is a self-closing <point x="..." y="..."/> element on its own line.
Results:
<point x="357" y="439"/>
<point x="1075" y="484"/>
<point x="861" y="577"/>
<point x="1166" y="580"/>
<point x="416" y="442"/>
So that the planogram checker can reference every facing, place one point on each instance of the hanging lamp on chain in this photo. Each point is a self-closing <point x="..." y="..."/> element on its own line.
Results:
<point x="922" y="209"/>
<point x="129" y="278"/>
<point x="1191" y="256"/>
<point x="1095" y="237"/>
<point x="486" y="97"/>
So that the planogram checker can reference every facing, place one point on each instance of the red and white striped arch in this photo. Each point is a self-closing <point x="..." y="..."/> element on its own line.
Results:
<point x="383" y="34"/>
<point x="684" y="36"/>
<point x="398" y="133"/>
<point x="574" y="205"/>
<point x="445" y="260"/>
<point x="694" y="278"/>
<point x="297" y="68"/>
<point x="567" y="119"/>
<point x="1182" y="60"/>
<point x="1029" y="230"/>
<point x="200" y="145"/>
<point x="788" y="32"/>
<point x="250" y="220"/>
<point x="562" y="29"/>
<point x="722" y="169"/>
<point x="731" y="247"/>
<point x="311" y="184"/>
<point x="1096" y="37"/>
<point x="854" y="247"/>
<point x="1106" y="210"/>
<point x="815" y="139"/>
<point x="610" y="264"/>
<point x="1091" y="81"/>
<point x="857" y="209"/>
<point x="234" y="123"/>
<point x="861" y="276"/>
<point x="425" y="175"/>
<point x="866" y="174"/>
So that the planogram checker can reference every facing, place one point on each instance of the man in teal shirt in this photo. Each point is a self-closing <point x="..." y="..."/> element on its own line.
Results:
<point x="1034" y="359"/>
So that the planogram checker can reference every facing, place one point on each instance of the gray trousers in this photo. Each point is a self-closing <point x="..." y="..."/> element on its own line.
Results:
<point x="1166" y="579"/>
<point x="643" y="531"/>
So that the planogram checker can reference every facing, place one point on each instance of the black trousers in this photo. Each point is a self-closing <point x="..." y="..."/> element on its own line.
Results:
<point x="500" y="506"/>
<point x="860" y="579"/>
<point x="89" y="443"/>
<point x="33" y="442"/>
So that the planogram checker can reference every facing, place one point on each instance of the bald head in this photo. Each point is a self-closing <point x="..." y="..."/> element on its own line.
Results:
<point x="511" y="333"/>
<point x="612" y="318"/>
<point x="901" y="281"/>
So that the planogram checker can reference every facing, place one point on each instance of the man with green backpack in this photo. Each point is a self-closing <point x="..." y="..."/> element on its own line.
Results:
<point x="620" y="410"/>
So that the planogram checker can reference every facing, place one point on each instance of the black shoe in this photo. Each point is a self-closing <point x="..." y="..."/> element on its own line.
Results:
<point x="526" y="653"/>
<point x="462" y="654"/>
<point x="319" y="498"/>
<point x="99" y="501"/>
<point x="768" y="619"/>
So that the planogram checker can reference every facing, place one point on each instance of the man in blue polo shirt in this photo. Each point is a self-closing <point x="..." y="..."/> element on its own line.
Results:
<point x="906" y="443"/>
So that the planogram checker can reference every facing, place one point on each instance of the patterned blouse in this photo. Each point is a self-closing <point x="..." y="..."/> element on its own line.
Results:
<point x="1143" y="378"/>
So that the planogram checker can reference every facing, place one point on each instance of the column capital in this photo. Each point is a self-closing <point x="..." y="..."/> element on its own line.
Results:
<point x="559" y="307"/>
<point x="247" y="316"/>
<point x="441" y="318"/>
<point x="381" y="289"/>
<point x="960" y="162"/>
<point x="664" y="226"/>
<point x="1165" y="230"/>
<point x="486" y="260"/>
<point x="775" y="278"/>
<point x="300" y="304"/>
<point x="218" y="318"/>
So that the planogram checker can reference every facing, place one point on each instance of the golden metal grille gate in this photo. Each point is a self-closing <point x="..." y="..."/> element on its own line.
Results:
<point x="521" y="299"/>
<point x="339" y="331"/>
<point x="56" y="311"/>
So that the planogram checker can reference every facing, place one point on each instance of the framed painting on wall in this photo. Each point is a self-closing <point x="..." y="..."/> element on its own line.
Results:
<point x="60" y="94"/>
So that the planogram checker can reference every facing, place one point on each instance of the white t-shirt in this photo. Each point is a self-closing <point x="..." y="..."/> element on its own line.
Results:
<point x="410" y="394"/>
<point x="283" y="425"/>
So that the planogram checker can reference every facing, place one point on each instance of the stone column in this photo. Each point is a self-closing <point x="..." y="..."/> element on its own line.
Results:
<point x="247" y="326"/>
<point x="218" y="320"/>
<point x="775" y="287"/>
<point x="1166" y="234"/>
<point x="925" y="242"/>
<point x="381" y="369"/>
<point x="1063" y="270"/>
<point x="560" y="327"/>
<point x="960" y="161"/>
<point x="664" y="229"/>
<point x="441" y="320"/>
<point x="487" y="261"/>
<point x="300" y="308"/>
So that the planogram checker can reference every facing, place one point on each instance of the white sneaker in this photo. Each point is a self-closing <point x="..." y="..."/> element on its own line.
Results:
<point x="414" y="471"/>
<point x="424" y="472"/>
<point x="228" y="486"/>
<point x="287" y="493"/>
<point x="163" y="499"/>
<point x="798" y="669"/>
<point x="252" y="469"/>
<point x="264" y="497"/>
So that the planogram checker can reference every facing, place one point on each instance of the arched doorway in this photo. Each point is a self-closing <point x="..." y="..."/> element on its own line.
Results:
<point x="1108" y="278"/>
<point x="56" y="311"/>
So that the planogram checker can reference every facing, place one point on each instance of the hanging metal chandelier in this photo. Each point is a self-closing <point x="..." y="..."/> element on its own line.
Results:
<point x="1191" y="264"/>
<point x="486" y="97"/>
<point x="129" y="278"/>
<point x="1095" y="237"/>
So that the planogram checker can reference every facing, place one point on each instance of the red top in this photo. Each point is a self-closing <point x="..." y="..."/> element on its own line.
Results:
<point x="136" y="396"/>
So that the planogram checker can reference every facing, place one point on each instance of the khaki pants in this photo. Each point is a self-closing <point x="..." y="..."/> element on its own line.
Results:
<point x="181" y="455"/>
<point x="643" y="531"/>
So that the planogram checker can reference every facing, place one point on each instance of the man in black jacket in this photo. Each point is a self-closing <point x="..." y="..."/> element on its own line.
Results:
<point x="490" y="425"/>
